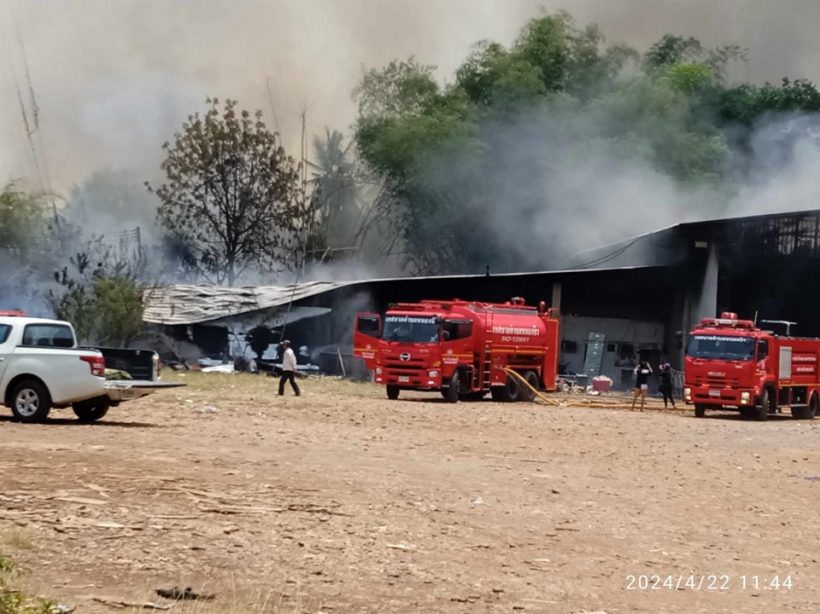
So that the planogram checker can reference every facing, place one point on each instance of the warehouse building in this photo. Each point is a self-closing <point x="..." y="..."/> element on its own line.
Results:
<point x="633" y="299"/>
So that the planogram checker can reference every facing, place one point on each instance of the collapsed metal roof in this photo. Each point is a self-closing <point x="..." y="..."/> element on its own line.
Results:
<point x="186" y="304"/>
<point x="180" y="304"/>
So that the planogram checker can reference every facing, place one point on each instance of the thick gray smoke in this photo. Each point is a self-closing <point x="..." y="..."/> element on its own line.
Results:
<point x="113" y="80"/>
<point x="558" y="185"/>
<point x="561" y="186"/>
<point x="781" y="170"/>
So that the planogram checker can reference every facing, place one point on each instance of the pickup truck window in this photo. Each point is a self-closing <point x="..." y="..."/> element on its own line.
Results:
<point x="5" y="329"/>
<point x="48" y="335"/>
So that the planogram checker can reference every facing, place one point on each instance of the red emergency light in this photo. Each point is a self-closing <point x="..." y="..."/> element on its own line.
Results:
<point x="15" y="313"/>
<point x="727" y="319"/>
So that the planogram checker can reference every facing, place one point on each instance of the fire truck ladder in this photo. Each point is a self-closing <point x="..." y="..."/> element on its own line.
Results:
<point x="483" y="361"/>
<point x="485" y="367"/>
<point x="482" y="375"/>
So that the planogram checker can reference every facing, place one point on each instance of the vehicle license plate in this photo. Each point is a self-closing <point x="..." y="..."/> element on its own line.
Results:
<point x="714" y="393"/>
<point x="404" y="378"/>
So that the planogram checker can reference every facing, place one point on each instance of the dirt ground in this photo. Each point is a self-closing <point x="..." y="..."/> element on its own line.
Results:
<point x="343" y="501"/>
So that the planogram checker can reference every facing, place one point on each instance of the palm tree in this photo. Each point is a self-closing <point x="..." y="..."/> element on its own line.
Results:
<point x="336" y="183"/>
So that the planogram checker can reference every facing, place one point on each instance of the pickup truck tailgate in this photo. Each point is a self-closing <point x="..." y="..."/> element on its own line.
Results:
<point x="129" y="389"/>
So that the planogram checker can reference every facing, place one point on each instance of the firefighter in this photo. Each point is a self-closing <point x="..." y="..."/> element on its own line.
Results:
<point x="642" y="373"/>
<point x="288" y="369"/>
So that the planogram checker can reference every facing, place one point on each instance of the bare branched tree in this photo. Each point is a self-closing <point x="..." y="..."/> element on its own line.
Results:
<point x="231" y="195"/>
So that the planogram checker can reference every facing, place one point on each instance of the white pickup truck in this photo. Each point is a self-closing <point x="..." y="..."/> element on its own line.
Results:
<point x="41" y="367"/>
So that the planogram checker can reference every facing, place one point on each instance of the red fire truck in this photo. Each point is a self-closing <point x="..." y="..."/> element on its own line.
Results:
<point x="733" y="364"/>
<point x="461" y="348"/>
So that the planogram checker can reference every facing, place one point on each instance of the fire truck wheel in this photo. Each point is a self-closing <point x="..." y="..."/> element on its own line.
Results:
<point x="808" y="412"/>
<point x="700" y="410"/>
<point x="747" y="412"/>
<point x="762" y="410"/>
<point x="524" y="393"/>
<point x="392" y="392"/>
<point x="506" y="393"/>
<point x="451" y="393"/>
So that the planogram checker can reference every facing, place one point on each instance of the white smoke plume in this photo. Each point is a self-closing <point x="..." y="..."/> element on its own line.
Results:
<point x="113" y="80"/>
<point x="781" y="171"/>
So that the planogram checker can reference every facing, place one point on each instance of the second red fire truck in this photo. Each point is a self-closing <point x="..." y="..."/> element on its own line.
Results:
<point x="733" y="364"/>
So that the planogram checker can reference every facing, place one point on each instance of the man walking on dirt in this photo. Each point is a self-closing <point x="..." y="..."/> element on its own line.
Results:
<point x="288" y="369"/>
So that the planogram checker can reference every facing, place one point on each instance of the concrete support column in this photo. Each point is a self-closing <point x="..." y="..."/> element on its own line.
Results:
<point x="697" y="298"/>
<point x="707" y="301"/>
<point x="556" y="296"/>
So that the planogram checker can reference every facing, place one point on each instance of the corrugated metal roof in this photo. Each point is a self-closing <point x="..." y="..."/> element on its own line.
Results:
<point x="626" y="243"/>
<point x="194" y="304"/>
<point x="182" y="304"/>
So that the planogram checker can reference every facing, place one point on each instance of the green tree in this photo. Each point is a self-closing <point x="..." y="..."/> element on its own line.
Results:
<point x="336" y="185"/>
<point x="23" y="223"/>
<point x="404" y="151"/>
<point x="399" y="89"/>
<point x="111" y="196"/>
<point x="659" y="114"/>
<point x="745" y="103"/>
<point x="671" y="50"/>
<point x="231" y="195"/>
<point x="691" y="79"/>
<point x="28" y="248"/>
<point x="490" y="153"/>
<point x="119" y="303"/>
<point x="568" y="58"/>
<point x="99" y="292"/>
<point x="492" y="76"/>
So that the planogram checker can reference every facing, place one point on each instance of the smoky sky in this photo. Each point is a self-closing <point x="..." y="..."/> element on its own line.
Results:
<point x="114" y="79"/>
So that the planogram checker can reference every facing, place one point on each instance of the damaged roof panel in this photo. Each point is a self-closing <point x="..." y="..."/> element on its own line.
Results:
<point x="194" y="304"/>
<point x="184" y="304"/>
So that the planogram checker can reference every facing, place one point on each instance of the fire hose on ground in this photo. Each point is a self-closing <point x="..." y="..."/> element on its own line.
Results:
<point x="537" y="394"/>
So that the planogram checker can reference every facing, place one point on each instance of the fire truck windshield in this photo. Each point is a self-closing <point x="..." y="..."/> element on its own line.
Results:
<point x="415" y="329"/>
<point x="721" y="346"/>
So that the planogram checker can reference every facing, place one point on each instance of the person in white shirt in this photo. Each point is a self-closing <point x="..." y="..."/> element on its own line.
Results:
<point x="288" y="369"/>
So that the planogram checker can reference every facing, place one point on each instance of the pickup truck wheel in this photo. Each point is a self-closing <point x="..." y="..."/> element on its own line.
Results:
<point x="30" y="401"/>
<point x="90" y="411"/>
<point x="700" y="410"/>
<point x="524" y="393"/>
<point x="392" y="392"/>
<point x="761" y="412"/>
